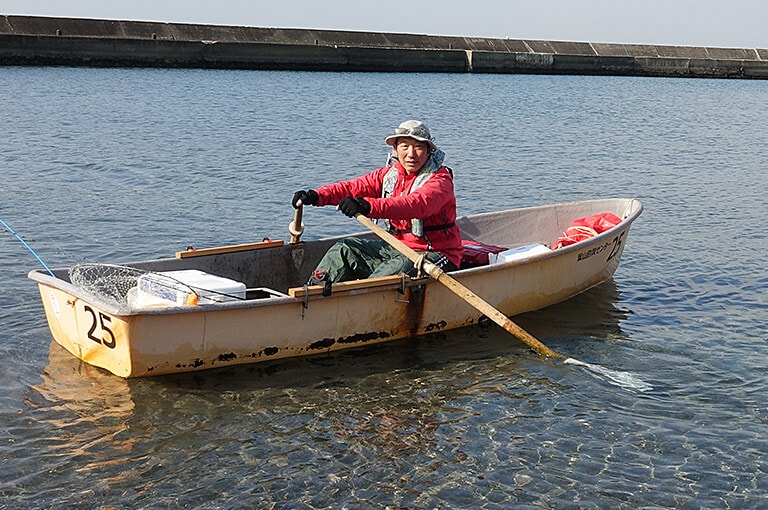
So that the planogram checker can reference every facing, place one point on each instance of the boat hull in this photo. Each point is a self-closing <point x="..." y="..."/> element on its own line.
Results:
<point x="299" y="321"/>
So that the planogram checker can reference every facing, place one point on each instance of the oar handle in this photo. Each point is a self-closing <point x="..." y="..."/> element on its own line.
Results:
<point x="296" y="227"/>
<point x="460" y="290"/>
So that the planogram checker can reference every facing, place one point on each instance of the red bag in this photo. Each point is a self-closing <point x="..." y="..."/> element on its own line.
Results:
<point x="584" y="228"/>
<point x="476" y="253"/>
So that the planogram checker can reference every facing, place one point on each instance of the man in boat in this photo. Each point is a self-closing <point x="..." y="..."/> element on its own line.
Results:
<point x="413" y="195"/>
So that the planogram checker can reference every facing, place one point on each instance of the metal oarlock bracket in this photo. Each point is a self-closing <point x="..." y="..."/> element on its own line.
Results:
<point x="420" y="264"/>
<point x="401" y="289"/>
<point x="305" y="301"/>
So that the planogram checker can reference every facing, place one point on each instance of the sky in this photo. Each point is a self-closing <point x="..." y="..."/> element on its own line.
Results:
<point x="713" y="23"/>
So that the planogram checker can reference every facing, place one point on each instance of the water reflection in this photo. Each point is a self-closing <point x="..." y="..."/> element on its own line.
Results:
<point x="592" y="314"/>
<point x="381" y="401"/>
<point x="414" y="420"/>
<point x="408" y="399"/>
<point x="86" y="412"/>
<point x="91" y="393"/>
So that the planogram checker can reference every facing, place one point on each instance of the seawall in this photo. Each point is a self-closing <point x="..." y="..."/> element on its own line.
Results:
<point x="44" y="41"/>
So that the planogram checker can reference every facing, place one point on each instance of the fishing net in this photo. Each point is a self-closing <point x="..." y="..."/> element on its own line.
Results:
<point x="117" y="285"/>
<point x="107" y="282"/>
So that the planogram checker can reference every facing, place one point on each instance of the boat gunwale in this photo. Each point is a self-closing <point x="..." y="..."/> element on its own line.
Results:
<point x="633" y="209"/>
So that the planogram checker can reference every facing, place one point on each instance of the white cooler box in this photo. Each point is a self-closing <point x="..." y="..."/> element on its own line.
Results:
<point x="173" y="287"/>
<point x="519" y="253"/>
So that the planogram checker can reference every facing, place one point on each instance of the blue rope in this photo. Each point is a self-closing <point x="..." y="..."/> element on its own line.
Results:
<point x="8" y="227"/>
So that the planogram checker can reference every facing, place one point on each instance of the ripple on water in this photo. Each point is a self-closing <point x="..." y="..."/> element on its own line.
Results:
<point x="164" y="159"/>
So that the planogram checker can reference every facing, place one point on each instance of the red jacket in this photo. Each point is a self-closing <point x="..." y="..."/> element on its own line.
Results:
<point x="434" y="202"/>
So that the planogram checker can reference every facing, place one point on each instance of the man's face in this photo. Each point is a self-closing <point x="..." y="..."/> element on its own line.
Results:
<point x="411" y="153"/>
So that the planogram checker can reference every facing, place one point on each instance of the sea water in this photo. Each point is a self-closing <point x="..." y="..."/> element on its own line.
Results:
<point x="114" y="165"/>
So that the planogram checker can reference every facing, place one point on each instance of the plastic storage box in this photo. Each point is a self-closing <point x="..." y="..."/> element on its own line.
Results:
<point x="175" y="287"/>
<point x="519" y="253"/>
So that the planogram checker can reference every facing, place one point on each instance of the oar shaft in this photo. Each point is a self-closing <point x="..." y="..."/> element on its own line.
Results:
<point x="492" y="313"/>
<point x="460" y="290"/>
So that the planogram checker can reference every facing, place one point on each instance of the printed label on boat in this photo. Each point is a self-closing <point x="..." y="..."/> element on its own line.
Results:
<point x="55" y="305"/>
<point x="98" y="326"/>
<point x="614" y="246"/>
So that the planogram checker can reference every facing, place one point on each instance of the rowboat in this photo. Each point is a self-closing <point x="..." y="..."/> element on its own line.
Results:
<point x="221" y="306"/>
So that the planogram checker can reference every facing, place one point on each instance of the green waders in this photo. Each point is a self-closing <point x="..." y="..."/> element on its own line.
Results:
<point x="354" y="258"/>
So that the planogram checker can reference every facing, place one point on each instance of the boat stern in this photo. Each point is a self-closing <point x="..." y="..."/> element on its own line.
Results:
<point x="88" y="332"/>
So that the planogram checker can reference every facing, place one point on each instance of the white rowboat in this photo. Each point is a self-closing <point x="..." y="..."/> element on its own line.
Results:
<point x="259" y="309"/>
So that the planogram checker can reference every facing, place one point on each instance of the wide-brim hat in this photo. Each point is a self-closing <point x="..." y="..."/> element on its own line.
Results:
<point x="412" y="129"/>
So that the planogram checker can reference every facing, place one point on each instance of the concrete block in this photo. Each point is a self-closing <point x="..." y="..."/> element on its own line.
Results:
<point x="662" y="66"/>
<point x="273" y="56"/>
<point x="730" y="54"/>
<point x="15" y="49"/>
<point x="69" y="27"/>
<point x="540" y="46"/>
<point x="188" y="32"/>
<point x="82" y="51"/>
<point x="446" y="43"/>
<point x="717" y="68"/>
<point x="515" y="46"/>
<point x="642" y="50"/>
<point x="479" y="44"/>
<point x="151" y="53"/>
<point x="5" y="27"/>
<point x="405" y="41"/>
<point x="611" y="50"/>
<point x="756" y="70"/>
<point x="573" y="48"/>
<point x="133" y="30"/>
<point x="364" y="39"/>
<point x="494" y="62"/>
<point x="585" y="64"/>
<point x="625" y="50"/>
<point x="575" y="64"/>
<point x="617" y="65"/>
<point x="681" y="52"/>
<point x="404" y="60"/>
<point x="531" y="60"/>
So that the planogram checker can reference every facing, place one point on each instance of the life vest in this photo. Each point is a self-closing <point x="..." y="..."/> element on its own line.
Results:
<point x="388" y="188"/>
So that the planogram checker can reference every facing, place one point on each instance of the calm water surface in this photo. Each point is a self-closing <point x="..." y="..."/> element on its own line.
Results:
<point x="118" y="165"/>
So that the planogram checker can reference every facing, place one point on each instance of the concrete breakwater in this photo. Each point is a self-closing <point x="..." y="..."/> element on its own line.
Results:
<point x="31" y="40"/>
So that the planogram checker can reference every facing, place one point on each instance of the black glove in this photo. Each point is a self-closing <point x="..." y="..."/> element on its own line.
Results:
<point x="351" y="206"/>
<point x="307" y="197"/>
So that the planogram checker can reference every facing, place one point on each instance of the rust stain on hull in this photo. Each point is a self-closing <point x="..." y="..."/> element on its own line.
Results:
<point x="436" y="326"/>
<point x="414" y="311"/>
<point x="364" y="337"/>
<point x="325" y="343"/>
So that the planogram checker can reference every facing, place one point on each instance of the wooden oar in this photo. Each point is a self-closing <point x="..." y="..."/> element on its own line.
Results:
<point x="296" y="227"/>
<point x="460" y="290"/>
<point x="619" y="378"/>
